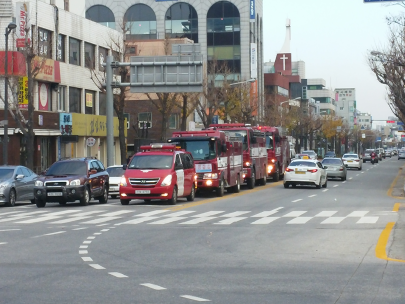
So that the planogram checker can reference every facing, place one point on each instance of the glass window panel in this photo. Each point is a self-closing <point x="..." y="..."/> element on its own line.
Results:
<point x="223" y="52"/>
<point x="60" y="48"/>
<point x="223" y="39"/>
<point x="89" y="51"/>
<point x="75" y="100"/>
<point x="140" y="12"/>
<point x="62" y="98"/>
<point x="102" y="57"/>
<point x="101" y="14"/>
<point x="102" y="101"/>
<point x="173" y="121"/>
<point x="44" y="43"/>
<point x="74" y="51"/>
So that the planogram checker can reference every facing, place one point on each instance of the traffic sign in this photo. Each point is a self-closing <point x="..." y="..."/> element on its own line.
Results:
<point x="400" y="123"/>
<point x="363" y="135"/>
<point x="391" y="121"/>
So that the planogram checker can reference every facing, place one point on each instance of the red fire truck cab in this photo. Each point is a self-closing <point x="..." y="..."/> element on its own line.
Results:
<point x="217" y="156"/>
<point x="254" y="151"/>
<point x="159" y="171"/>
<point x="278" y="152"/>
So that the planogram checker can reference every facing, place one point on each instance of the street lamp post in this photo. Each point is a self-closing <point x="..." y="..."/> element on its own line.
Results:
<point x="9" y="28"/>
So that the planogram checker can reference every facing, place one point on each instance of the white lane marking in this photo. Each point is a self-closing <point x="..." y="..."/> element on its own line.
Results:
<point x="59" y="232"/>
<point x="299" y="220"/>
<point x="3" y="243"/>
<point x="357" y="174"/>
<point x="15" y="218"/>
<point x="230" y="220"/>
<point x="105" y="230"/>
<point x="351" y="178"/>
<point x="31" y="213"/>
<point x="195" y="298"/>
<point x="294" y="214"/>
<point x="199" y="220"/>
<point x="96" y="266"/>
<point x="168" y="220"/>
<point x="267" y="213"/>
<point x="138" y="220"/>
<point x="368" y="169"/>
<point x="335" y="186"/>
<point x="313" y="195"/>
<point x="80" y="228"/>
<point x="333" y="220"/>
<point x="72" y="219"/>
<point x="117" y="213"/>
<point x="297" y="200"/>
<point x="151" y="213"/>
<point x="83" y="252"/>
<point x="87" y="259"/>
<point x="91" y="237"/>
<point x="87" y="242"/>
<point x="358" y="214"/>
<point x="90" y="212"/>
<point x="39" y="219"/>
<point x="344" y="182"/>
<point x="65" y="212"/>
<point x="208" y="214"/>
<point x="368" y="220"/>
<point x="326" y="214"/>
<point x="9" y="213"/>
<point x="118" y="275"/>
<point x="97" y="233"/>
<point x="9" y="230"/>
<point x="101" y="225"/>
<point x="235" y="214"/>
<point x="362" y="172"/>
<point x="102" y="220"/>
<point x="153" y="286"/>
<point x="265" y="220"/>
<point x="178" y="214"/>
<point x="83" y="247"/>
<point x="325" y="190"/>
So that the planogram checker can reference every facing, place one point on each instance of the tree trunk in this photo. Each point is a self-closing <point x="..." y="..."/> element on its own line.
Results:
<point x="163" y="131"/>
<point x="30" y="132"/>
<point x="311" y="139"/>
<point x="184" y="114"/>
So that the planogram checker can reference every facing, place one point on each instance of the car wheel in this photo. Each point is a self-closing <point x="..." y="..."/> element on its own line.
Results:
<point x="286" y="185"/>
<point x="103" y="199"/>
<point x="359" y="168"/>
<point x="364" y="161"/>
<point x="191" y="197"/>
<point x="113" y="196"/>
<point x="252" y="181"/>
<point x="276" y="175"/>
<point x="62" y="203"/>
<point x="40" y="203"/>
<point x="32" y="201"/>
<point x="124" y="202"/>
<point x="343" y="178"/>
<point x="173" y="200"/>
<point x="325" y="185"/>
<point x="220" y="191"/>
<point x="294" y="185"/>
<point x="236" y="188"/>
<point x="11" y="198"/>
<point x="84" y="201"/>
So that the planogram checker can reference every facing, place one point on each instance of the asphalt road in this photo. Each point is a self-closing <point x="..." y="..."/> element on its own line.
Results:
<point x="267" y="245"/>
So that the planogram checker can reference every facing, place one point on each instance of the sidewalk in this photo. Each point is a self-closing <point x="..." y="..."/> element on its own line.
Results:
<point x="398" y="191"/>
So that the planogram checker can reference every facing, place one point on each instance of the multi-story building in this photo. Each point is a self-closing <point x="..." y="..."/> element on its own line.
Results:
<point x="326" y="97"/>
<point x="69" y="117"/>
<point x="364" y="121"/>
<point x="346" y="105"/>
<point x="229" y="32"/>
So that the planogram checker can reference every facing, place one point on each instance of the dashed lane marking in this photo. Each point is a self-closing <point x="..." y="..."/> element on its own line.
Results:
<point x="312" y="195"/>
<point x="195" y="298"/>
<point x="54" y="233"/>
<point x="153" y="286"/>
<point x="297" y="200"/>
<point x="118" y="275"/>
<point x="96" y="266"/>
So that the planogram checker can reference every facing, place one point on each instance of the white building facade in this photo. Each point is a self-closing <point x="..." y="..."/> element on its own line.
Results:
<point x="326" y="97"/>
<point x="346" y="105"/>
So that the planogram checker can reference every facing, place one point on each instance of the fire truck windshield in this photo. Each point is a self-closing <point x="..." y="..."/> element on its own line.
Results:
<point x="151" y="162"/>
<point x="200" y="149"/>
<point x="269" y="142"/>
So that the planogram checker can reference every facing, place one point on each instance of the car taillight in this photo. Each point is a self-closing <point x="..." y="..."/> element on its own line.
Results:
<point x="312" y="170"/>
<point x="343" y="159"/>
<point x="341" y="169"/>
<point x="289" y="170"/>
<point x="357" y="160"/>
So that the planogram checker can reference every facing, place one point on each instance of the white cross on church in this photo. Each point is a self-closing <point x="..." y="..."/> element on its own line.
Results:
<point x="283" y="59"/>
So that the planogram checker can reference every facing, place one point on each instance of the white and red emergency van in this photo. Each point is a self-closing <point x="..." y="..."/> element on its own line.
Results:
<point x="254" y="151"/>
<point x="159" y="171"/>
<point x="218" y="158"/>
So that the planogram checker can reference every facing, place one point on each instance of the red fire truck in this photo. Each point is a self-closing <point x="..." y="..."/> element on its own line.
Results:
<point x="278" y="152"/>
<point x="254" y="151"/>
<point x="217" y="157"/>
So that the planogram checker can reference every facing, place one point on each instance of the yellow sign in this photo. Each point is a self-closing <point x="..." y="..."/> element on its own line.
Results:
<point x="93" y="125"/>
<point x="305" y="157"/>
<point x="23" y="92"/>
<point x="89" y="100"/>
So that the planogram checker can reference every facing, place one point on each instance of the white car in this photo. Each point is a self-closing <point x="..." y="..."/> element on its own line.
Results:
<point x="305" y="172"/>
<point x="311" y="153"/>
<point x="351" y="160"/>
<point x="115" y="173"/>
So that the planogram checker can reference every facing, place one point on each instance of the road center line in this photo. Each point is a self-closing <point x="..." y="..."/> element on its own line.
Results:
<point x="59" y="232"/>
<point x="3" y="243"/>
<point x="153" y="286"/>
<point x="297" y="200"/>
<point x="335" y="186"/>
<point x="9" y="230"/>
<point x="313" y="195"/>
<point x="195" y="298"/>
<point x="325" y="190"/>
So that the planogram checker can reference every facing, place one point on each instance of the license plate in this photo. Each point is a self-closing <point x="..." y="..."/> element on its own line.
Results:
<point x="349" y="161"/>
<point x="55" y="194"/>
<point x="113" y="189"/>
<point x="142" y="191"/>
<point x="299" y="172"/>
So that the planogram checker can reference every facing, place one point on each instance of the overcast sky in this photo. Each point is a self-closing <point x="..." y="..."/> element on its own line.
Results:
<point x="333" y="37"/>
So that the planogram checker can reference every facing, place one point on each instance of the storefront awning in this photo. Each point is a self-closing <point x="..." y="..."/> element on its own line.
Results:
<point x="39" y="132"/>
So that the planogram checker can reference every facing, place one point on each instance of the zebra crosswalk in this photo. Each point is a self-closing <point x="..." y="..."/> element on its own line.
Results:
<point x="188" y="217"/>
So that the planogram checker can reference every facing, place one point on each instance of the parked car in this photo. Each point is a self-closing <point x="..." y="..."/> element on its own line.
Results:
<point x="16" y="184"/>
<point x="312" y="154"/>
<point x="115" y="173"/>
<point x="72" y="179"/>
<point x="351" y="160"/>
<point x="330" y="154"/>
<point x="367" y="155"/>
<point x="305" y="172"/>
<point x="302" y="156"/>
<point x="401" y="154"/>
<point x="335" y="168"/>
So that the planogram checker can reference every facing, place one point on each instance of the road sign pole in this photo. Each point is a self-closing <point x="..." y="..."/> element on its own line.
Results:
<point x="110" y="112"/>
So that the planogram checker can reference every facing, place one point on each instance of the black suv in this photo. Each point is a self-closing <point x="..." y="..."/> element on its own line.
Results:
<point x="70" y="180"/>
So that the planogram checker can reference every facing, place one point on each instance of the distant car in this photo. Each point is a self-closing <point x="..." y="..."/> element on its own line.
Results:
<point x="388" y="153"/>
<point x="330" y="154"/>
<point x="401" y="154"/>
<point x="380" y="152"/>
<point x="302" y="156"/>
<point x="394" y="151"/>
<point x="115" y="173"/>
<point x="305" y="172"/>
<point x="351" y="160"/>
<point x="312" y="154"/>
<point x="367" y="155"/>
<point x="16" y="184"/>
<point x="335" y="168"/>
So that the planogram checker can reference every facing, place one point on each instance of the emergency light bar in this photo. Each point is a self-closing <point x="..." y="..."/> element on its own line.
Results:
<point x="168" y="147"/>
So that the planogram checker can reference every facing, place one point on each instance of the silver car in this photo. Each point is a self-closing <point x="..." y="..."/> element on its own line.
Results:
<point x="16" y="184"/>
<point x="335" y="168"/>
<point x="401" y="154"/>
<point x="115" y="173"/>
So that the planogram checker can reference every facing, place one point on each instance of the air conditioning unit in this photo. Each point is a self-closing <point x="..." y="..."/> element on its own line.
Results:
<point x="144" y="124"/>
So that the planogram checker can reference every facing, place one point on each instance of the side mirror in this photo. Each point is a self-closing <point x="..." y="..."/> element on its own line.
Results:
<point x="124" y="167"/>
<point x="20" y="176"/>
<point x="253" y="140"/>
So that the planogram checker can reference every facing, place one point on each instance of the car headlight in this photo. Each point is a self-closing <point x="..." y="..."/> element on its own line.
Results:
<point x="210" y="176"/>
<point x="167" y="181"/>
<point x="38" y="183"/>
<point x="123" y="181"/>
<point x="75" y="182"/>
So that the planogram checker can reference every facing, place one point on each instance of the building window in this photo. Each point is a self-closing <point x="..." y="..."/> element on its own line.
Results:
<point x="62" y="99"/>
<point x="145" y="119"/>
<point x="351" y="109"/>
<point x="44" y="43"/>
<point x="142" y="22"/>
<point x="89" y="53"/>
<point x="173" y="121"/>
<point x="341" y="108"/>
<point x="90" y="102"/>
<point x="101" y="14"/>
<point x="75" y="98"/>
<point x="102" y="98"/>
<point x="74" y="51"/>
<point x="102" y="58"/>
<point x="182" y="21"/>
<point x="60" y="49"/>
